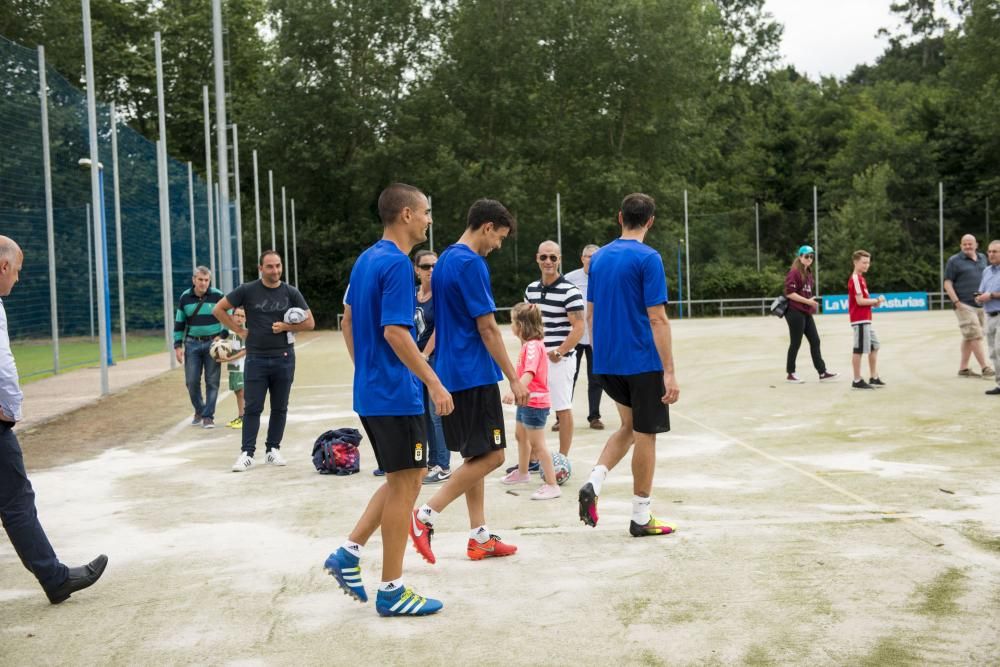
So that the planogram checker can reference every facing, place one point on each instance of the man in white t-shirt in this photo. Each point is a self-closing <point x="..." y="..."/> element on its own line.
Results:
<point x="579" y="277"/>
<point x="562" y="307"/>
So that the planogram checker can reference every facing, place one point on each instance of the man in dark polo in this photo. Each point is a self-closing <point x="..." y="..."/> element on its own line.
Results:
<point x="962" y="274"/>
<point x="194" y="330"/>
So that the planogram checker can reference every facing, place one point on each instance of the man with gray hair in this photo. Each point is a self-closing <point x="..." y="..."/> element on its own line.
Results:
<point x="962" y="274"/>
<point x="17" y="498"/>
<point x="579" y="277"/>
<point x="194" y="330"/>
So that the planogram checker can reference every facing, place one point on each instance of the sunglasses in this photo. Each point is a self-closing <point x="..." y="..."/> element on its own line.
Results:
<point x="551" y="258"/>
<point x="425" y="267"/>
<point x="808" y="256"/>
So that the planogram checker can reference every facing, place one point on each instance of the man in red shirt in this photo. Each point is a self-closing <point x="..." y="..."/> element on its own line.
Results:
<point x="859" y="306"/>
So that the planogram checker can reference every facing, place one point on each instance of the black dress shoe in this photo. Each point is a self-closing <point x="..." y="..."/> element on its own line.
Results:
<point x="993" y="392"/>
<point x="78" y="579"/>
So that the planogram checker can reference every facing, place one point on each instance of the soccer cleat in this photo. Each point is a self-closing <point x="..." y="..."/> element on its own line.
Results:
<point x="794" y="379"/>
<point x="421" y="534"/>
<point x="588" y="504"/>
<point x="861" y="384"/>
<point x="344" y="567"/>
<point x="653" y="527"/>
<point x="274" y="458"/>
<point x="491" y="548"/>
<point x="236" y="423"/>
<point x="404" y="602"/>
<point x="876" y="382"/>
<point x="826" y="375"/>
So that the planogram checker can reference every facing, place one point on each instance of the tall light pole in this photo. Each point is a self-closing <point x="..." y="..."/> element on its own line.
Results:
<point x="295" y="248"/>
<point x="284" y="223"/>
<point x="118" y="231"/>
<point x="236" y="208"/>
<point x="210" y="207"/>
<point x="165" y="236"/>
<point x="256" y="201"/>
<point x="97" y="197"/>
<point x="226" y="233"/>
<point x="270" y="188"/>
<point x="43" y="94"/>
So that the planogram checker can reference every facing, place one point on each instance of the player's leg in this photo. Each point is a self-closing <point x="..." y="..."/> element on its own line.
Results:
<point x="520" y="473"/>
<point x="255" y="382"/>
<point x="649" y="417"/>
<point x="561" y="391"/>
<point x="213" y="377"/>
<point x="193" y="363"/>
<point x="812" y="335"/>
<point x="279" y="388"/>
<point x="796" y="326"/>
<point x="540" y="452"/>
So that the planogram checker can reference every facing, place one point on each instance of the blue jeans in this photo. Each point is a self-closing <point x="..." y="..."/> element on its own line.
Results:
<point x="196" y="360"/>
<point x="20" y="519"/>
<point x="532" y="418"/>
<point x="261" y="376"/>
<point x="439" y="454"/>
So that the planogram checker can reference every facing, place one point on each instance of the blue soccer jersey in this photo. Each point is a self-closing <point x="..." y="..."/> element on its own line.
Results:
<point x="461" y="287"/>
<point x="626" y="278"/>
<point x="381" y="294"/>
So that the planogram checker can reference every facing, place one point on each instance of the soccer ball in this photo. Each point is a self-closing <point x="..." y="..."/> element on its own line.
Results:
<point x="562" y="467"/>
<point x="220" y="349"/>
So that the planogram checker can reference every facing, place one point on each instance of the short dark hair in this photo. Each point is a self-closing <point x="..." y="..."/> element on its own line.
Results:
<point x="260" y="262"/>
<point x="394" y="199"/>
<point x="636" y="209"/>
<point x="490" y="210"/>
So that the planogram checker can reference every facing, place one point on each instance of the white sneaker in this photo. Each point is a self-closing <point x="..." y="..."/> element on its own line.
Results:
<point x="275" y="458"/>
<point x="244" y="462"/>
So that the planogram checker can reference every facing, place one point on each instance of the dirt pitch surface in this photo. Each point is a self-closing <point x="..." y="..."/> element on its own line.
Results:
<point x="817" y="525"/>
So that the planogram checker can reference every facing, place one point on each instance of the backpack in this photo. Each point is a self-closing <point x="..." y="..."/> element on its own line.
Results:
<point x="336" y="452"/>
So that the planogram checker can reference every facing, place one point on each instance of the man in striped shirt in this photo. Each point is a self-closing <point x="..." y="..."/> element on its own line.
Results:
<point x="562" y="309"/>
<point x="194" y="330"/>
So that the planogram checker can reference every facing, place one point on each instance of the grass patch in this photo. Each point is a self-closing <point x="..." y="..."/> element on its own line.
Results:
<point x="758" y="656"/>
<point x="630" y="610"/>
<point x="889" y="652"/>
<point x="34" y="358"/>
<point x="981" y="538"/>
<point x="649" y="658"/>
<point x="941" y="594"/>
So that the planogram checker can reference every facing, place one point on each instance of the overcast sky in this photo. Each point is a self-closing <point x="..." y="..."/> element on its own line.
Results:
<point x="830" y="37"/>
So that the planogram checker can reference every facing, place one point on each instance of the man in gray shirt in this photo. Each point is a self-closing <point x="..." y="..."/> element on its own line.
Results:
<point x="17" y="498"/>
<point x="962" y="274"/>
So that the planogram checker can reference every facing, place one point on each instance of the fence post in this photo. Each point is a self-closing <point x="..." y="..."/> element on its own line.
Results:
<point x="90" y="269"/>
<point x="194" y="252"/>
<point x="118" y="231"/>
<point x="256" y="201"/>
<point x="270" y="188"/>
<point x="687" y="252"/>
<point x="239" y="215"/>
<point x="816" y="237"/>
<point x="941" y="236"/>
<point x="284" y="225"/>
<point x="756" y="223"/>
<point x="559" y="227"/>
<point x="208" y="183"/>
<point x="295" y="246"/>
<point x="43" y="94"/>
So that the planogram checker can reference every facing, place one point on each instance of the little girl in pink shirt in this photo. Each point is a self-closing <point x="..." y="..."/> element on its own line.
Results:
<point x="533" y="370"/>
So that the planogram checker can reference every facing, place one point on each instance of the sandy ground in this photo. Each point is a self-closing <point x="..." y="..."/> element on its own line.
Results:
<point x="817" y="525"/>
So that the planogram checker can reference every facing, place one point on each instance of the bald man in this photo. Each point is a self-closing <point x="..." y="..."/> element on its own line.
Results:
<point x="17" y="499"/>
<point x="562" y="306"/>
<point x="962" y="274"/>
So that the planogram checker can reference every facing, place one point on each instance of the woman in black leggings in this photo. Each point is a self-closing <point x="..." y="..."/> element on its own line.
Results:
<point x="802" y="305"/>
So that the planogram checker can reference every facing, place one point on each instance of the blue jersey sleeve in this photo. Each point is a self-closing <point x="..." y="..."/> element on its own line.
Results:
<point x="478" y="293"/>
<point x="654" y="281"/>
<point x="397" y="294"/>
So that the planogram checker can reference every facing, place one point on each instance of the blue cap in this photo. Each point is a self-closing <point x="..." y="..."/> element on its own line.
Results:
<point x="806" y="250"/>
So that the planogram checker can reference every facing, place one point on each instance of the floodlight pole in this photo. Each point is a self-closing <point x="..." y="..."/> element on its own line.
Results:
<point x="941" y="235"/>
<point x="225" y="231"/>
<point x="559" y="228"/>
<point x="756" y="222"/>
<point x="165" y="237"/>
<point x="43" y="95"/>
<point x="118" y="231"/>
<point x="96" y="194"/>
<point x="210" y="207"/>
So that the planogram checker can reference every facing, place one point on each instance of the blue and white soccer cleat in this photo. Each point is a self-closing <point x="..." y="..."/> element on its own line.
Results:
<point x="345" y="568"/>
<point x="404" y="602"/>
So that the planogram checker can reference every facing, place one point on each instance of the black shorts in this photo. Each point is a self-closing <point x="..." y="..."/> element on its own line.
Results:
<point x="400" y="443"/>
<point x="641" y="392"/>
<point x="475" y="427"/>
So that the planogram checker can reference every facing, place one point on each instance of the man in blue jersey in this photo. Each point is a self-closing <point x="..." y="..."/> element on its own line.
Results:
<point x="469" y="356"/>
<point x="633" y="360"/>
<point x="388" y="370"/>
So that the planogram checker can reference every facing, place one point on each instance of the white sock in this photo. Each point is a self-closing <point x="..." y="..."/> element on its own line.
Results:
<point x="353" y="548"/>
<point x="597" y="477"/>
<point x="394" y="585"/>
<point x="640" y="510"/>
<point x="427" y="515"/>
<point x="481" y="534"/>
